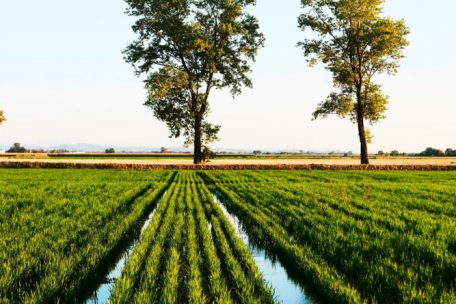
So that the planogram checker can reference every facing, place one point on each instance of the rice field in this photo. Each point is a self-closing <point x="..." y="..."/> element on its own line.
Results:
<point x="58" y="227"/>
<point x="341" y="236"/>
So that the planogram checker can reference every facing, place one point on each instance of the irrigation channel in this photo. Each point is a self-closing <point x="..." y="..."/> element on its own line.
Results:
<point x="102" y="293"/>
<point x="286" y="290"/>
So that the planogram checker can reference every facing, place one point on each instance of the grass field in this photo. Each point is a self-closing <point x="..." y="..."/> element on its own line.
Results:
<point x="347" y="237"/>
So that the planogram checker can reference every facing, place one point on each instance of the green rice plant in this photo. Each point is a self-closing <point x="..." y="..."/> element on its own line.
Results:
<point x="243" y="288"/>
<point x="169" y="236"/>
<point x="126" y="284"/>
<point x="387" y="234"/>
<point x="169" y="293"/>
<point x="218" y="290"/>
<point x="195" y="289"/>
<point x="353" y="237"/>
<point x="330" y="284"/>
<point x="240" y="251"/>
<point x="63" y="228"/>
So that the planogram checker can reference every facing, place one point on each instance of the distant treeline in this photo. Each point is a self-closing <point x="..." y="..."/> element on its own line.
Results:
<point x="436" y="152"/>
<point x="18" y="148"/>
<point x="428" y="152"/>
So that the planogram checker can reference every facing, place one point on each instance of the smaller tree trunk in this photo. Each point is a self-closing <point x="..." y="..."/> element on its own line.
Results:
<point x="197" y="145"/>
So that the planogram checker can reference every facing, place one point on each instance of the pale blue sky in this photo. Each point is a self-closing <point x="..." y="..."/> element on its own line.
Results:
<point x="63" y="80"/>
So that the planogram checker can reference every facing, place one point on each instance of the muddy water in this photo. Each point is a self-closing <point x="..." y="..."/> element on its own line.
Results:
<point x="286" y="290"/>
<point x="102" y="294"/>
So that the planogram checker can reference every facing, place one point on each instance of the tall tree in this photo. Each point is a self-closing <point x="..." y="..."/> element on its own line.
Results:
<point x="354" y="42"/>
<point x="186" y="48"/>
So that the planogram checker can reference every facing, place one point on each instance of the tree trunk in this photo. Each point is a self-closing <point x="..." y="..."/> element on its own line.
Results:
<point x="363" y="141"/>
<point x="362" y="130"/>
<point x="197" y="151"/>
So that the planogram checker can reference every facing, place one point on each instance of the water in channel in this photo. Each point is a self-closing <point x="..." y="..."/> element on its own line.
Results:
<point x="102" y="294"/>
<point x="286" y="290"/>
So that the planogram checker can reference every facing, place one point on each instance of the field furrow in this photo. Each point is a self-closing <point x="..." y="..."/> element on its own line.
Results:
<point x="208" y="236"/>
<point x="62" y="229"/>
<point x="386" y="234"/>
<point x="177" y="257"/>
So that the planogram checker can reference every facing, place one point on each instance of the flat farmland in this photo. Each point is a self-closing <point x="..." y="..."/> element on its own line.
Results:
<point x="221" y="160"/>
<point x="57" y="227"/>
<point x="194" y="236"/>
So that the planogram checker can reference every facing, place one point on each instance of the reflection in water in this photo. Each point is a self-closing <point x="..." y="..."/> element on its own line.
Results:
<point x="286" y="290"/>
<point x="102" y="294"/>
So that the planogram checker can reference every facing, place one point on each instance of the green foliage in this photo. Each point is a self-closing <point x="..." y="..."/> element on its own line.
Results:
<point x="110" y="150"/>
<point x="376" y="237"/>
<point x="187" y="48"/>
<point x="450" y="152"/>
<point x="2" y="117"/>
<point x="394" y="153"/>
<point x="354" y="42"/>
<point x="369" y="136"/>
<point x="17" y="148"/>
<point x="207" y="153"/>
<point x="434" y="152"/>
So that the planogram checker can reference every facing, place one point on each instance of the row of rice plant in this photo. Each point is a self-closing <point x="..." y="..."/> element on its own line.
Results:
<point x="354" y="237"/>
<point x="58" y="227"/>
<point x="190" y="254"/>
<point x="385" y="236"/>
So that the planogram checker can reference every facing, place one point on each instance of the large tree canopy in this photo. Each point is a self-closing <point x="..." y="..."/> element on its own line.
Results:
<point x="354" y="42"/>
<point x="186" y="48"/>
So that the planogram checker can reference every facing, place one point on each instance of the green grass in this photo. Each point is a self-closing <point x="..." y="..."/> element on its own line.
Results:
<point x="351" y="236"/>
